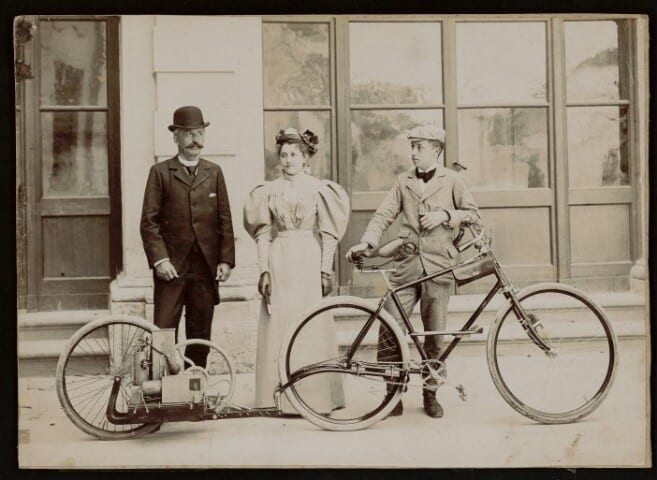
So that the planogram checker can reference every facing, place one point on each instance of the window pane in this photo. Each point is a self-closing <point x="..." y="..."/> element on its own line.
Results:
<point x="73" y="63"/>
<point x="498" y="62"/>
<point x="74" y="153"/>
<point x="504" y="148"/>
<point x="392" y="63"/>
<point x="296" y="64"/>
<point x="379" y="148"/>
<point x="593" y="69"/>
<point x="317" y="122"/>
<point x="597" y="146"/>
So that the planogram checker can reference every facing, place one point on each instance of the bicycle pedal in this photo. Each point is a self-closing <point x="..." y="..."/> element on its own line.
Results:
<point x="461" y="391"/>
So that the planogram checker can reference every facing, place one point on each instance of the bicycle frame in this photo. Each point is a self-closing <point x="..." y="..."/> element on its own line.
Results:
<point x="502" y="284"/>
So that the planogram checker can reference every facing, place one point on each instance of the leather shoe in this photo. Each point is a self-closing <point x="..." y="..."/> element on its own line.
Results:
<point x="431" y="405"/>
<point x="397" y="411"/>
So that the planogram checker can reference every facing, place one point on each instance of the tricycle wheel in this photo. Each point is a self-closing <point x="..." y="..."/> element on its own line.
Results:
<point x="98" y="352"/>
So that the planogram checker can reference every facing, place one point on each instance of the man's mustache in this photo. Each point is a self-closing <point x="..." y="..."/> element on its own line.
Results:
<point x="194" y="144"/>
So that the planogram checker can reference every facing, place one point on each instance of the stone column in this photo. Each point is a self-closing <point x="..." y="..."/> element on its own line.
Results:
<point x="639" y="272"/>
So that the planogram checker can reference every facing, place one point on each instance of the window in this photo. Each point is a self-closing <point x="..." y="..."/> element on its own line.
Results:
<point x="395" y="84"/>
<point x="297" y="89"/>
<point x="74" y="108"/>
<point x="597" y="62"/>
<point x="537" y="108"/>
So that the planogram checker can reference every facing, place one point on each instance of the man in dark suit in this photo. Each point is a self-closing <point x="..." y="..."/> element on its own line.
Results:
<point x="187" y="232"/>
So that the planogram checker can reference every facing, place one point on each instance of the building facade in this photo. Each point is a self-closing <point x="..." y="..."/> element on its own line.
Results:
<point x="547" y="112"/>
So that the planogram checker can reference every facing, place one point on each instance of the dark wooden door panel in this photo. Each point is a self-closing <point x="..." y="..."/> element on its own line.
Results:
<point x="75" y="247"/>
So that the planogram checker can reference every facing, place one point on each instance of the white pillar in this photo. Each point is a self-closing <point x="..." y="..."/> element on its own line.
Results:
<point x="639" y="272"/>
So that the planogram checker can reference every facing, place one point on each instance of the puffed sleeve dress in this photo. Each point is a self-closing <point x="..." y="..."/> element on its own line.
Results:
<point x="296" y="224"/>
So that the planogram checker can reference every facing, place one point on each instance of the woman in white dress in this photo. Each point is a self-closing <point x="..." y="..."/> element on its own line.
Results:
<point x="296" y="221"/>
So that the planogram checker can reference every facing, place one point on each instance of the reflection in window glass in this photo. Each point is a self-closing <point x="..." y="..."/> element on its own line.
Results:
<point x="504" y="148"/>
<point x="597" y="146"/>
<point x="317" y="122"/>
<point x="592" y="61"/>
<point x="296" y="64"/>
<point x="393" y="63"/>
<point x="498" y="62"/>
<point x="74" y="153"/>
<point x="73" y="63"/>
<point x="380" y="149"/>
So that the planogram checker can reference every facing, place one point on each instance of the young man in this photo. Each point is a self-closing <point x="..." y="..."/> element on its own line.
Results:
<point x="187" y="233"/>
<point x="433" y="201"/>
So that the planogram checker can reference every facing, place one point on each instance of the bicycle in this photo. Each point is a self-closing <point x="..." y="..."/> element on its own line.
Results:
<point x="529" y="346"/>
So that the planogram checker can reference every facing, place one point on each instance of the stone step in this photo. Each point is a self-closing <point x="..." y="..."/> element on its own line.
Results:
<point x="42" y="337"/>
<point x="54" y="325"/>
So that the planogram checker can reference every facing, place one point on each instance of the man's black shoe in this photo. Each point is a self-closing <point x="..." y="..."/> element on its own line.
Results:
<point x="431" y="405"/>
<point x="398" y="410"/>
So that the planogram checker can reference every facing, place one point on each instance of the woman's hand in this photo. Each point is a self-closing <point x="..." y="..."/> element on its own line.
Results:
<point x="264" y="285"/>
<point x="327" y="284"/>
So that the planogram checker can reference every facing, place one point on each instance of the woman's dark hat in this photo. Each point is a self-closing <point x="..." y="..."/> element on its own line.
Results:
<point x="188" y="117"/>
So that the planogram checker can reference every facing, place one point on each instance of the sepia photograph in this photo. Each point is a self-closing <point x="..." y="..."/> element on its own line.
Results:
<point x="332" y="241"/>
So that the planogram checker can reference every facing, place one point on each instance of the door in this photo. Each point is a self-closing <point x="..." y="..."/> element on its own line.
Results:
<point x="72" y="163"/>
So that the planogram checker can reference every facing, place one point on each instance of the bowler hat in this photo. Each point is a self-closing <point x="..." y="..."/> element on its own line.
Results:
<point x="427" y="133"/>
<point x="188" y="117"/>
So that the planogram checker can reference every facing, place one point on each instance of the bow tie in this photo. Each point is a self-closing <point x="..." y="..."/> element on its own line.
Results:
<point x="425" y="176"/>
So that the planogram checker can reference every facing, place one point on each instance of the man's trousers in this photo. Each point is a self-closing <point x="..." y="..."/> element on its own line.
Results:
<point x="433" y="298"/>
<point x="194" y="289"/>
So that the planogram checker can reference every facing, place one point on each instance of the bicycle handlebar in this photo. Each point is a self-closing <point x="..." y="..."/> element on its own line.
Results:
<point x="390" y="249"/>
<point x="479" y="237"/>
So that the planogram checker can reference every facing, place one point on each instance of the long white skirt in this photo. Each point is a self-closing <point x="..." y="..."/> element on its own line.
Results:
<point x="294" y="266"/>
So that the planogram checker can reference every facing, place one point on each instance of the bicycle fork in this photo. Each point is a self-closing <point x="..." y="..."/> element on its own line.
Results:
<point x="529" y="322"/>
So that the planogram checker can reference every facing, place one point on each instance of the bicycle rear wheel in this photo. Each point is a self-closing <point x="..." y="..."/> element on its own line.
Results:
<point x="95" y="354"/>
<point x="570" y="383"/>
<point x="331" y="389"/>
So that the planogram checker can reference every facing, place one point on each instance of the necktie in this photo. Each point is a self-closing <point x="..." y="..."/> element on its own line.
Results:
<point x="191" y="171"/>
<point x="425" y="176"/>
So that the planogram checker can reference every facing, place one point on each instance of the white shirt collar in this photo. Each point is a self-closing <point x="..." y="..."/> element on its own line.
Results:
<point x="428" y="170"/>
<point x="187" y="163"/>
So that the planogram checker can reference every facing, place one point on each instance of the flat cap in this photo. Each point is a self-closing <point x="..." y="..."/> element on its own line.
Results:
<point x="427" y="132"/>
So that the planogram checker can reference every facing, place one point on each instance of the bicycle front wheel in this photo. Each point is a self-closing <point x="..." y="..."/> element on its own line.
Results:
<point x="351" y="384"/>
<point x="570" y="380"/>
<point x="95" y="354"/>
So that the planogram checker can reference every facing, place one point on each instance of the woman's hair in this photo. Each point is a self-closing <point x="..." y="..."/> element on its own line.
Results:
<point x="307" y="141"/>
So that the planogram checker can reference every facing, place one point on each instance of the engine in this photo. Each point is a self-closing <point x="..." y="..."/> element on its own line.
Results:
<point x="160" y="379"/>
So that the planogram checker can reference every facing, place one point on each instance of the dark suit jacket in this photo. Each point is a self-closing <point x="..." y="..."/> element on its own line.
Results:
<point x="175" y="213"/>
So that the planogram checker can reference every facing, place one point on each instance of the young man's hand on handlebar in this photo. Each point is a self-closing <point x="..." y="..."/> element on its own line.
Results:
<point x="357" y="252"/>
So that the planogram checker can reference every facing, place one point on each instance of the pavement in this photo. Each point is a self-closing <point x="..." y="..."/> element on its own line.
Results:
<point x="482" y="431"/>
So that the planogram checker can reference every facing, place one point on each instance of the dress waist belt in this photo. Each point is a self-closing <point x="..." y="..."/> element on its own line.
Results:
<point x="295" y="233"/>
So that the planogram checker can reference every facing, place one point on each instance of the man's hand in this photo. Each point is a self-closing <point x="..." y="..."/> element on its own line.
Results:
<point x="356" y="251"/>
<point x="327" y="284"/>
<point x="166" y="271"/>
<point x="431" y="220"/>
<point x="264" y="285"/>
<point x="223" y="272"/>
